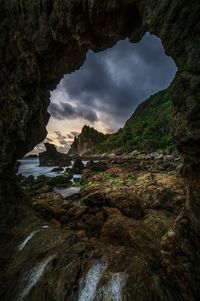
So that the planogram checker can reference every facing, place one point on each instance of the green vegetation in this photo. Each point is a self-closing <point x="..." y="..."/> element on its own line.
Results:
<point x="131" y="178"/>
<point x="106" y="175"/>
<point x="148" y="129"/>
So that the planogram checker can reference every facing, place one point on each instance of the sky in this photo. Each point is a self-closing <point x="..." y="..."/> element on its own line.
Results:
<point x="106" y="90"/>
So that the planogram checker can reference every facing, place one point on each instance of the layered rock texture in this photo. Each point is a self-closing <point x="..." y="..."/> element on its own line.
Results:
<point x="42" y="40"/>
<point x="86" y="141"/>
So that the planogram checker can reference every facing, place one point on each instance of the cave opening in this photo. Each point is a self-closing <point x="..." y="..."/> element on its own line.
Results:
<point x="106" y="91"/>
<point x="113" y="114"/>
<point x="108" y="88"/>
<point x="99" y="101"/>
<point x="107" y="244"/>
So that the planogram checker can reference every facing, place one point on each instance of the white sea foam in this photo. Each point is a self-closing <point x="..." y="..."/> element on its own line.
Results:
<point x="45" y="227"/>
<point x="114" y="287"/>
<point x="90" y="283"/>
<point x="26" y="240"/>
<point x="112" y="291"/>
<point x="33" y="277"/>
<point x="29" y="237"/>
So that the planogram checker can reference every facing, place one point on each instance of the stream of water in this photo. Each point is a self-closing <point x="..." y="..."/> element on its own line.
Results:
<point x="90" y="283"/>
<point x="31" y="167"/>
<point x="33" y="277"/>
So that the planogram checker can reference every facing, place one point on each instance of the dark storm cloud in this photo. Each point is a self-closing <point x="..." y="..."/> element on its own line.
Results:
<point x="112" y="83"/>
<point x="65" y="110"/>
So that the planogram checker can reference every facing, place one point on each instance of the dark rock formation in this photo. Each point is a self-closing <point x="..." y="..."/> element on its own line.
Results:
<point x="57" y="169"/>
<point x="17" y="165"/>
<point x="42" y="40"/>
<point x="97" y="166"/>
<point x="52" y="157"/>
<point x="78" y="166"/>
<point x="31" y="157"/>
<point x="88" y="139"/>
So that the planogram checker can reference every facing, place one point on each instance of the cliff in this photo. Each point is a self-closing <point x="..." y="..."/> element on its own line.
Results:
<point x="88" y="139"/>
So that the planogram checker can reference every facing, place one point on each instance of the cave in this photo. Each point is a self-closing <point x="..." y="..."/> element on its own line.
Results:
<point x="42" y="40"/>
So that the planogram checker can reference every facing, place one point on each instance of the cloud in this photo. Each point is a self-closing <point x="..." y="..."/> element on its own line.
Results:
<point x="65" y="148"/>
<point x="110" y="84"/>
<point x="64" y="110"/>
<point x="61" y="138"/>
<point x="73" y="134"/>
<point x="49" y="140"/>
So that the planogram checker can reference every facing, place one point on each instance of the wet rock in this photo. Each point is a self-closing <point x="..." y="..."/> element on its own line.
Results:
<point x="28" y="180"/>
<point x="17" y="165"/>
<point x="75" y="197"/>
<point x="49" y="205"/>
<point x="60" y="180"/>
<point x="42" y="178"/>
<point x="57" y="169"/>
<point x="95" y="199"/>
<point x="97" y="166"/>
<point x="52" y="157"/>
<point x="78" y="166"/>
<point x="20" y="178"/>
<point x="121" y="230"/>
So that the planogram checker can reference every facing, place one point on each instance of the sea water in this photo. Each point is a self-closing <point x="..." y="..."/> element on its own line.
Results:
<point x="30" y="167"/>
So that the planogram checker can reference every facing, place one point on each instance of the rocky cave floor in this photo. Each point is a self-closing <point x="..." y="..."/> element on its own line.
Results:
<point x="103" y="243"/>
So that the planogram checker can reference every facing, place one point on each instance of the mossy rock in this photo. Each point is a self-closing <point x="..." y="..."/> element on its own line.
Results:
<point x="60" y="180"/>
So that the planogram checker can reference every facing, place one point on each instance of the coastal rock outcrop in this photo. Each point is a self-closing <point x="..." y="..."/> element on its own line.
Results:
<point x="52" y="157"/>
<point x="88" y="139"/>
<point x="78" y="166"/>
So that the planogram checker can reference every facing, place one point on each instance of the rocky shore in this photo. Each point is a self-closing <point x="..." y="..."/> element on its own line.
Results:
<point x="105" y="240"/>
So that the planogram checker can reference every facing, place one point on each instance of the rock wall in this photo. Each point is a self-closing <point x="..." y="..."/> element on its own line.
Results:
<point x="86" y="141"/>
<point x="43" y="39"/>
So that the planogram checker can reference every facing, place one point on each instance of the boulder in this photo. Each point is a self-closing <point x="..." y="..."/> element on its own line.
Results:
<point x="20" y="178"/>
<point x="28" y="180"/>
<point x="17" y="165"/>
<point x="97" y="166"/>
<point x="52" y="157"/>
<point x="41" y="178"/>
<point x="57" y="169"/>
<point x="60" y="180"/>
<point x="78" y="166"/>
<point x="95" y="199"/>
